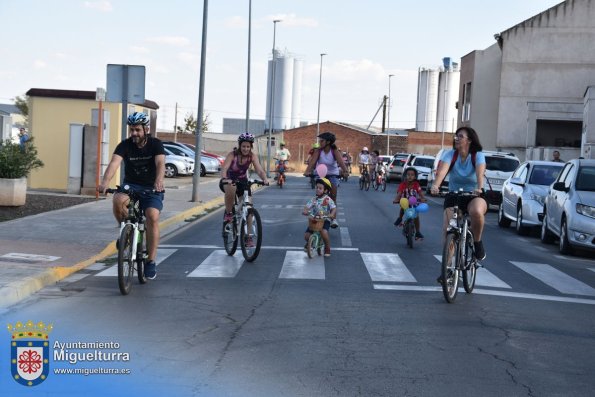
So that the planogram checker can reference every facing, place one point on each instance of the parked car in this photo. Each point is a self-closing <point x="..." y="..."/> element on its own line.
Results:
<point x="208" y="165"/>
<point x="385" y="159"/>
<point x="192" y="147"/>
<point x="177" y="165"/>
<point x="423" y="164"/>
<point x="432" y="174"/>
<point x="499" y="167"/>
<point x="395" y="168"/>
<point x="569" y="208"/>
<point x="524" y="192"/>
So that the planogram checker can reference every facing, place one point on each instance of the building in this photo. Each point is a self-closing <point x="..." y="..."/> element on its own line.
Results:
<point x="532" y="91"/>
<point x="237" y="126"/>
<point x="64" y="125"/>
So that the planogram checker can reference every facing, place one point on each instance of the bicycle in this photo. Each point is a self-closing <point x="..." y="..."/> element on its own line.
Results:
<point x="131" y="244"/>
<point x="458" y="255"/>
<point x="379" y="181"/>
<point x="245" y="223"/>
<point x="364" y="180"/>
<point x="315" y="242"/>
<point x="280" y="169"/>
<point x="409" y="225"/>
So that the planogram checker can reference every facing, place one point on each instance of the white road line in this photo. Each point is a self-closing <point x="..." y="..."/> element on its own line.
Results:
<point x="573" y="258"/>
<point x="387" y="267"/>
<point x="264" y="247"/>
<point x="345" y="237"/>
<point x="487" y="292"/>
<point x="162" y="255"/>
<point x="592" y="269"/>
<point x="484" y="277"/>
<point x="30" y="257"/>
<point x="297" y="265"/>
<point x="218" y="264"/>
<point x="555" y="278"/>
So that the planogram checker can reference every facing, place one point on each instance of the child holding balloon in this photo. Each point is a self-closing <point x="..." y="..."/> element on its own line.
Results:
<point x="410" y="194"/>
<point x="321" y="207"/>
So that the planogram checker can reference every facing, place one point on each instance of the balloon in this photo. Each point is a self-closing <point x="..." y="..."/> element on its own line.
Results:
<point x="404" y="203"/>
<point x="412" y="200"/>
<point x="410" y="213"/>
<point x="423" y="207"/>
<point x="321" y="170"/>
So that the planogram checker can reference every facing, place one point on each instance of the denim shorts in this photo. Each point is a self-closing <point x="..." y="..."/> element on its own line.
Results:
<point x="148" y="199"/>
<point x="333" y="179"/>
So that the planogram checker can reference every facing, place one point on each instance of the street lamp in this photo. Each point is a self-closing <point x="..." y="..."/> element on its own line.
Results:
<point x="319" y="89"/>
<point x="249" y="58"/>
<point x="388" y="121"/>
<point x="271" y="100"/>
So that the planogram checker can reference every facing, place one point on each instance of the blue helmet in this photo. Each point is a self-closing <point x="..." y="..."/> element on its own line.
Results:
<point x="138" y="118"/>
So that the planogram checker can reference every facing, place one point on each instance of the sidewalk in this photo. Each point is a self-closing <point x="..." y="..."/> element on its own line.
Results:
<point x="42" y="249"/>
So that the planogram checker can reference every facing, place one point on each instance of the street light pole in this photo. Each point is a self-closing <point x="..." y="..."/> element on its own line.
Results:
<point x="388" y="121"/>
<point x="249" y="58"/>
<point x="271" y="101"/>
<point x="319" y="90"/>
<point x="201" y="96"/>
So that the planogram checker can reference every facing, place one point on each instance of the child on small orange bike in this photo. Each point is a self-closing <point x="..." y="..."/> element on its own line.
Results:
<point x="410" y="187"/>
<point x="318" y="207"/>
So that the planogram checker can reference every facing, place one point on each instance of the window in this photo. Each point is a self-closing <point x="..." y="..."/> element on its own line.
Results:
<point x="466" y="113"/>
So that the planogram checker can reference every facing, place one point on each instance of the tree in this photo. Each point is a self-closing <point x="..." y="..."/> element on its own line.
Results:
<point x="190" y="124"/>
<point x="22" y="104"/>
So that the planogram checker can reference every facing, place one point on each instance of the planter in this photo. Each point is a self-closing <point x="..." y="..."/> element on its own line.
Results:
<point x="13" y="192"/>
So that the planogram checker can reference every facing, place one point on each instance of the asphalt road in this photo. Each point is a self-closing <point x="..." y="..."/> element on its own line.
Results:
<point x="368" y="321"/>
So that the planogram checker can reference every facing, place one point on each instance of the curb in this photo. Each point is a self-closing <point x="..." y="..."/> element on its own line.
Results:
<point x="19" y="290"/>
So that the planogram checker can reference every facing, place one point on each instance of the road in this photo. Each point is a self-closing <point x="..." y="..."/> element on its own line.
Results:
<point x="368" y="321"/>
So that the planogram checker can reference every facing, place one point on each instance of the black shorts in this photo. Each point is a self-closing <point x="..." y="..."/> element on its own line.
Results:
<point x="240" y="187"/>
<point x="450" y="200"/>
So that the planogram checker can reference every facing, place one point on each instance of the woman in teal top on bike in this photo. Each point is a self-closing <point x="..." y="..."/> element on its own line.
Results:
<point x="466" y="165"/>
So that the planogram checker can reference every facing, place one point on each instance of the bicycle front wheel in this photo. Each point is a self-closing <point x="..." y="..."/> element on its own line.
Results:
<point x="383" y="184"/>
<point x="374" y="184"/>
<point x="409" y="232"/>
<point x="312" y="244"/>
<point x="470" y="270"/>
<point x="125" y="260"/>
<point x="230" y="238"/>
<point x="367" y="183"/>
<point x="141" y="258"/>
<point x="361" y="183"/>
<point x="450" y="272"/>
<point x="251" y="237"/>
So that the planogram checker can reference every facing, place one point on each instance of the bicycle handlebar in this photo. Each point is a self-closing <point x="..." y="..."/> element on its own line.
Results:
<point x="128" y="190"/>
<point x="248" y="182"/>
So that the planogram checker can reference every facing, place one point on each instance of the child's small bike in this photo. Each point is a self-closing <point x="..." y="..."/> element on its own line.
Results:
<point x="409" y="225"/>
<point x="315" y="242"/>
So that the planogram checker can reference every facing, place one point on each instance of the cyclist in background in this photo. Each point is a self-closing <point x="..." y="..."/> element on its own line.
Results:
<point x="466" y="165"/>
<point x="283" y="154"/>
<point x="235" y="168"/>
<point x="144" y="170"/>
<point x="410" y="188"/>
<point x="364" y="160"/>
<point x="311" y="152"/>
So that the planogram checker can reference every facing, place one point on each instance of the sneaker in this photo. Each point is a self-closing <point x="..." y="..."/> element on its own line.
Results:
<point x="228" y="217"/>
<point x="334" y="224"/>
<point x="480" y="253"/>
<point x="306" y="247"/>
<point x="398" y="221"/>
<point x="151" y="270"/>
<point x="327" y="252"/>
<point x="440" y="280"/>
<point x="419" y="236"/>
<point x="249" y="242"/>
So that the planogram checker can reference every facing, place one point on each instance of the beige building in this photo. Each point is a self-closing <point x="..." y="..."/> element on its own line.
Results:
<point x="59" y="120"/>
<point x="529" y="93"/>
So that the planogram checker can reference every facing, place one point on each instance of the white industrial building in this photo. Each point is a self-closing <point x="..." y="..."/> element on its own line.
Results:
<point x="437" y="94"/>
<point x="533" y="90"/>
<point x="286" y="98"/>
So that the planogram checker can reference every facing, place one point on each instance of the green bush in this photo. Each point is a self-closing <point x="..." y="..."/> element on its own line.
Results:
<point x="17" y="162"/>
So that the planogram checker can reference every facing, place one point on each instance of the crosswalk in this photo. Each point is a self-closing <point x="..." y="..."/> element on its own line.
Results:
<point x="386" y="271"/>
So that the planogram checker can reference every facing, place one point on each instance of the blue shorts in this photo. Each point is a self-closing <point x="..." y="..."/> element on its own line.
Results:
<point x="148" y="199"/>
<point x="333" y="179"/>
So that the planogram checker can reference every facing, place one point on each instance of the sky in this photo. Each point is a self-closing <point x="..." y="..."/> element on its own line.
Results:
<point x="67" y="44"/>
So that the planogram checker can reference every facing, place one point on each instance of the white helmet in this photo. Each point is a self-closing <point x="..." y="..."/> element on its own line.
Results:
<point x="365" y="149"/>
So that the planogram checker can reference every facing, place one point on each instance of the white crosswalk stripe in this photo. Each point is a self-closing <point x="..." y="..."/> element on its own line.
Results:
<point x="297" y="265"/>
<point x="484" y="277"/>
<point x="218" y="264"/>
<point x="387" y="267"/>
<point x="555" y="278"/>
<point x="162" y="254"/>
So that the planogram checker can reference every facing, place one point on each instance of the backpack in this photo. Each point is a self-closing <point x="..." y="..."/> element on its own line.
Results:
<point x="455" y="156"/>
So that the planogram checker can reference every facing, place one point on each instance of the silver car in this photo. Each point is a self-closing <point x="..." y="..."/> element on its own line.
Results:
<point x="208" y="165"/>
<point x="569" y="209"/>
<point x="177" y="165"/>
<point x="524" y="192"/>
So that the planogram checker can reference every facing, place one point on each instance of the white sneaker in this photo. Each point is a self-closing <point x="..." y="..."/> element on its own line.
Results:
<point x="334" y="224"/>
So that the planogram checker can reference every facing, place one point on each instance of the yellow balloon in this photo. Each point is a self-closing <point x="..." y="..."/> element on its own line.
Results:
<point x="404" y="203"/>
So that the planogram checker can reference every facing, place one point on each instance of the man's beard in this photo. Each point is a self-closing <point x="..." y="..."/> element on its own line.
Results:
<point x="140" y="141"/>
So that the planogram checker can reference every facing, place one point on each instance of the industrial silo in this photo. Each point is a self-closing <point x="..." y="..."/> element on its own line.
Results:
<point x="427" y="100"/>
<point x="448" y="95"/>
<point x="287" y="92"/>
